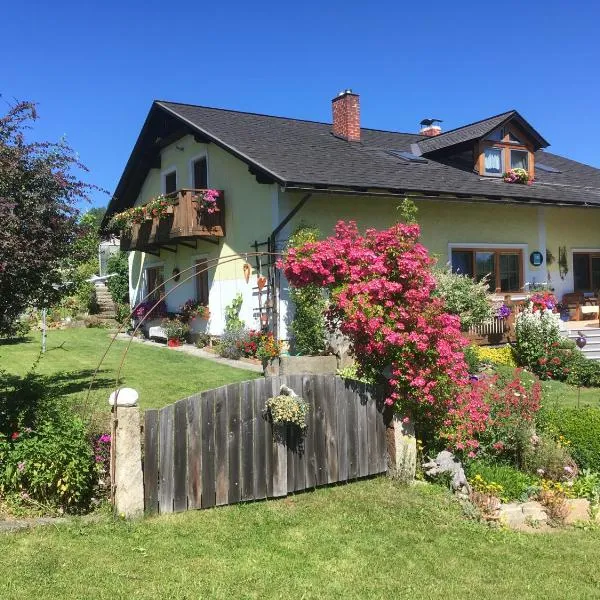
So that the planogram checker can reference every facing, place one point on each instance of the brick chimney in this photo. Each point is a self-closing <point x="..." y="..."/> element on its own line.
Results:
<point x="430" y="127"/>
<point x="346" y="116"/>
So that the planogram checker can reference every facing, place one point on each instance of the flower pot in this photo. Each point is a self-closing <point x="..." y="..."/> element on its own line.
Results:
<point x="204" y="313"/>
<point x="173" y="343"/>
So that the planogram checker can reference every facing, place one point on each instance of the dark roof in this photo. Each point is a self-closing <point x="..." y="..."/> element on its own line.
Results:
<point x="297" y="153"/>
<point x="477" y="130"/>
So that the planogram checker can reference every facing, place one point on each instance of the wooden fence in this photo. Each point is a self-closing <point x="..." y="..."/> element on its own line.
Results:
<point x="219" y="447"/>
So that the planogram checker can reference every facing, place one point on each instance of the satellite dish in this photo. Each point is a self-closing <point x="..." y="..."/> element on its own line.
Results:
<point x="124" y="397"/>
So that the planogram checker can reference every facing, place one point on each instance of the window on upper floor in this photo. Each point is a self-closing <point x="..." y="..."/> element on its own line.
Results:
<point x="503" y="150"/>
<point x="200" y="174"/>
<point x="170" y="182"/>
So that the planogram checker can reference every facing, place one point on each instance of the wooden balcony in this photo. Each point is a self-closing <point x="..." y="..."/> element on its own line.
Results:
<point x="183" y="226"/>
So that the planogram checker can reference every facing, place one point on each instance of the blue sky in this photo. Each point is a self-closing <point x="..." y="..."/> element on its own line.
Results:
<point x="94" y="68"/>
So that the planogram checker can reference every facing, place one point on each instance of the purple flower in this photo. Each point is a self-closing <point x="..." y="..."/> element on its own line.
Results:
<point x="21" y="466"/>
<point x="503" y="312"/>
<point x="104" y="438"/>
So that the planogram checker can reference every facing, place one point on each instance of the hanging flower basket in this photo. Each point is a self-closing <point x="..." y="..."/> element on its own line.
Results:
<point x="192" y="309"/>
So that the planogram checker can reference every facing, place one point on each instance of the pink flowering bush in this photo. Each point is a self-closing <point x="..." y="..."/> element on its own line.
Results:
<point x="494" y="417"/>
<point x="381" y="288"/>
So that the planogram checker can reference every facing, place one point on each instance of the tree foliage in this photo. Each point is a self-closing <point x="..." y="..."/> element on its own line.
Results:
<point x="308" y="324"/>
<point x="39" y="191"/>
<point x="118" y="285"/>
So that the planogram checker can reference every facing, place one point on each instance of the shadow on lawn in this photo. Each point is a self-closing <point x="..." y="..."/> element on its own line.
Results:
<point x="15" y="341"/>
<point x="25" y="399"/>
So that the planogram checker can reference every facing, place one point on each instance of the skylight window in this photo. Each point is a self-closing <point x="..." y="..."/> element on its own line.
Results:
<point x="408" y="156"/>
<point x="546" y="168"/>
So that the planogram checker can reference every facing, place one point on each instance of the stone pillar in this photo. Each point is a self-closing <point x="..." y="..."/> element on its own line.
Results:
<point x="402" y="449"/>
<point x="128" y="481"/>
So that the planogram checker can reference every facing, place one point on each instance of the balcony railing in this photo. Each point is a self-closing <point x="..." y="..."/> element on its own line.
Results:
<point x="186" y="222"/>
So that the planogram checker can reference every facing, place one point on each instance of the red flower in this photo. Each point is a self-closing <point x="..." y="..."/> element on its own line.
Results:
<point x="15" y="435"/>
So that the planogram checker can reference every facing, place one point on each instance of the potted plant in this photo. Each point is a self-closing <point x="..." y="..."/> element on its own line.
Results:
<point x="207" y="201"/>
<point x="191" y="309"/>
<point x="176" y="331"/>
<point x="518" y="176"/>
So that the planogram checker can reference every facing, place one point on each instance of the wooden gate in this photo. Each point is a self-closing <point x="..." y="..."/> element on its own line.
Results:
<point x="219" y="447"/>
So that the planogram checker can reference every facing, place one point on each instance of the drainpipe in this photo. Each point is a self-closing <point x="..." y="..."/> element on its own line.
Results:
<point x="274" y="275"/>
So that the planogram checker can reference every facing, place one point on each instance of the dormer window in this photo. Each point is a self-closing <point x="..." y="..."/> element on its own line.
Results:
<point x="503" y="150"/>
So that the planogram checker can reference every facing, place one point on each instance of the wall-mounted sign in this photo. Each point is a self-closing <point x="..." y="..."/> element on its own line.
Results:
<point x="536" y="259"/>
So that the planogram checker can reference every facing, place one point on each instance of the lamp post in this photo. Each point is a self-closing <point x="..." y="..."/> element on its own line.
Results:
<point x="580" y="341"/>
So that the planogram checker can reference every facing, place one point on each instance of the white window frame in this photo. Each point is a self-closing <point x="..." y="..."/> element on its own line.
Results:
<point x="163" y="178"/>
<point x="203" y="154"/>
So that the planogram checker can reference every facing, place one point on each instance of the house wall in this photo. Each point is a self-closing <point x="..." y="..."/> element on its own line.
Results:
<point x="444" y="224"/>
<point x="248" y="217"/>
<point x="253" y="210"/>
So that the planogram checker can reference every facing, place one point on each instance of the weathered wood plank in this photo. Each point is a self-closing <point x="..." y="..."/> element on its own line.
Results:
<point x="269" y="442"/>
<point x="372" y="456"/>
<point x="233" y="442"/>
<point x="331" y="434"/>
<point x="260" y="442"/>
<point x="221" y="448"/>
<point x="320" y="431"/>
<point x="295" y="382"/>
<point x="280" y="483"/>
<point x="342" y="445"/>
<point x="352" y="433"/>
<point x="247" y="442"/>
<point x="180" y="457"/>
<point x="194" y="451"/>
<point x="151" y="461"/>
<point x="208" y="449"/>
<point x="381" y="431"/>
<point x="310" y="465"/>
<point x="361" y="408"/>
<point x="166" y="459"/>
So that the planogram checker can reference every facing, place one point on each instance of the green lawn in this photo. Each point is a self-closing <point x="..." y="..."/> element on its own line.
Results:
<point x="371" y="539"/>
<point x="566" y="395"/>
<point x="161" y="376"/>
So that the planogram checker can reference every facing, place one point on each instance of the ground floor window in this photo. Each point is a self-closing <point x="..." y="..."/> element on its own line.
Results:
<point x="155" y="283"/>
<point x="586" y="271"/>
<point x="202" y="281"/>
<point x="504" y="267"/>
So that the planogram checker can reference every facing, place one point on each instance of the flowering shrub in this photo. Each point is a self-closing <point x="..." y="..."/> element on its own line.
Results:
<point x="549" y="459"/>
<point x="232" y="343"/>
<point x="543" y="301"/>
<point x="308" y="323"/>
<point x="493" y="417"/>
<point x="539" y="345"/>
<point x="381" y="288"/>
<point x="145" y="308"/>
<point x="288" y="409"/>
<point x="190" y="309"/>
<point x="465" y="297"/>
<point x="502" y="355"/>
<point x="207" y="201"/>
<point x="518" y="176"/>
<point x="261" y="345"/>
<point x="50" y="465"/>
<point x="268" y="347"/>
<point x="101" y="449"/>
